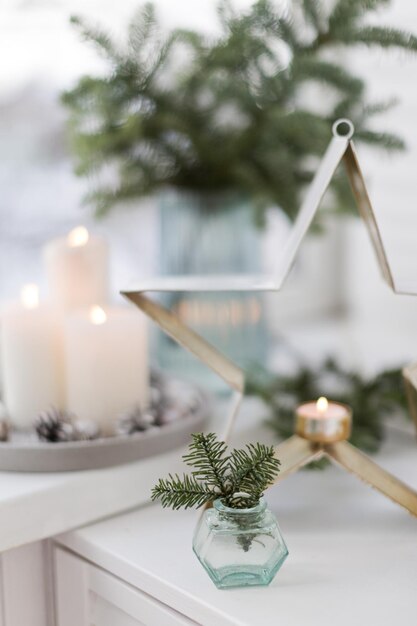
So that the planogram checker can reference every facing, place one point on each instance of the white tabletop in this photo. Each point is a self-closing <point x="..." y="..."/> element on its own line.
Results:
<point x="37" y="506"/>
<point x="353" y="554"/>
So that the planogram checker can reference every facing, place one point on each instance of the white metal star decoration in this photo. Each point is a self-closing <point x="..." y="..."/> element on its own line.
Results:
<point x="298" y="450"/>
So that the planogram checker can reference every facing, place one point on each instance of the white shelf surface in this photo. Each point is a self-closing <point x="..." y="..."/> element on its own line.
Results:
<point x="37" y="506"/>
<point x="353" y="553"/>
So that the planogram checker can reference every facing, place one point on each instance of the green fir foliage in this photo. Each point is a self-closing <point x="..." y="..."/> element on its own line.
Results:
<point x="373" y="400"/>
<point x="238" y="478"/>
<point x="235" y="111"/>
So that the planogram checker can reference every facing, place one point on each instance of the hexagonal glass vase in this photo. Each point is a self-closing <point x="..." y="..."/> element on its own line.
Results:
<point x="239" y="547"/>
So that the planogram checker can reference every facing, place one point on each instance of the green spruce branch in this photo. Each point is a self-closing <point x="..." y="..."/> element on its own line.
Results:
<point x="233" y="115"/>
<point x="238" y="478"/>
<point x="186" y="492"/>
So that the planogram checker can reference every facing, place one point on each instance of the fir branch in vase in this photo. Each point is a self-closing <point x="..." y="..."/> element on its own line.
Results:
<point x="238" y="478"/>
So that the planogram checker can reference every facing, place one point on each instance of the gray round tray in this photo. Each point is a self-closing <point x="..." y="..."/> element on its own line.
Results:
<point x="36" y="456"/>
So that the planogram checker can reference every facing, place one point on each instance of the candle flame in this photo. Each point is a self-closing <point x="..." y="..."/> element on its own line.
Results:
<point x="322" y="405"/>
<point x="78" y="237"/>
<point x="29" y="296"/>
<point x="97" y="315"/>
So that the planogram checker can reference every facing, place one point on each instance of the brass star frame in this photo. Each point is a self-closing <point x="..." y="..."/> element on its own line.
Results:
<point x="296" y="451"/>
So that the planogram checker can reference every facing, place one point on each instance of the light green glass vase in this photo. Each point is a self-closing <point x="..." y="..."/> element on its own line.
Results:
<point x="211" y="234"/>
<point x="239" y="547"/>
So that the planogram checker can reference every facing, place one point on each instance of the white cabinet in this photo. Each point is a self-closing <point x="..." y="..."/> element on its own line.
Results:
<point x="26" y="596"/>
<point x="88" y="596"/>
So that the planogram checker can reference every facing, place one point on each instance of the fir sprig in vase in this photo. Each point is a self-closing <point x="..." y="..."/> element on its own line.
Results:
<point x="237" y="540"/>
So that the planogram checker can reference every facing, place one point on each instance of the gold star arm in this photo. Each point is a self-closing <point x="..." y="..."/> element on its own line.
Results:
<point x="294" y="453"/>
<point x="204" y="351"/>
<point x="351" y="459"/>
<point x="366" y="212"/>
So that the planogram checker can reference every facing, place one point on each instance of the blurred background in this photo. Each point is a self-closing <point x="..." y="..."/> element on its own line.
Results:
<point x="334" y="301"/>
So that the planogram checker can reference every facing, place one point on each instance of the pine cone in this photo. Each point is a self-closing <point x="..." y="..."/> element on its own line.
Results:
<point x="158" y="405"/>
<point x="4" y="423"/>
<point x="4" y="430"/>
<point x="156" y="379"/>
<point x="54" y="425"/>
<point x="178" y="400"/>
<point x="134" y="421"/>
<point x="85" y="430"/>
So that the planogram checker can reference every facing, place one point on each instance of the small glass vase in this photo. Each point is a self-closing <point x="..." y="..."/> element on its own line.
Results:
<point x="239" y="547"/>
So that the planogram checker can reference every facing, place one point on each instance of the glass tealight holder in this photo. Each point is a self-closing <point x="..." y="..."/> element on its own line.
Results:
<point x="239" y="547"/>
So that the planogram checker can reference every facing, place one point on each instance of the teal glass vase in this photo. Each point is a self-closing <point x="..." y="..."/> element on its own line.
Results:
<point x="210" y="234"/>
<point x="239" y="547"/>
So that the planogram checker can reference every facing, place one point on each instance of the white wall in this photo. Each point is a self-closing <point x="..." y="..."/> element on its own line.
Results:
<point x="385" y="325"/>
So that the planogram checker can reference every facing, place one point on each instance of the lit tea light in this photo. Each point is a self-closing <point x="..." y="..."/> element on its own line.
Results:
<point x="323" y="421"/>
<point x="29" y="296"/>
<point x="97" y="315"/>
<point x="78" y="237"/>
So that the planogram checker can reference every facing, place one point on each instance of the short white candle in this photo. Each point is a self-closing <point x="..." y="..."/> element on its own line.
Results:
<point x="106" y="363"/>
<point x="77" y="269"/>
<point x="31" y="356"/>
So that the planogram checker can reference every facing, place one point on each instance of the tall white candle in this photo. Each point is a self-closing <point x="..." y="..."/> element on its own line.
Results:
<point x="31" y="356"/>
<point x="77" y="269"/>
<point x="106" y="363"/>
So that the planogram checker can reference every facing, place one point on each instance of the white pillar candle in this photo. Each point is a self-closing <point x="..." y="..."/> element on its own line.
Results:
<point x="31" y="356"/>
<point x="77" y="270"/>
<point x="106" y="363"/>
